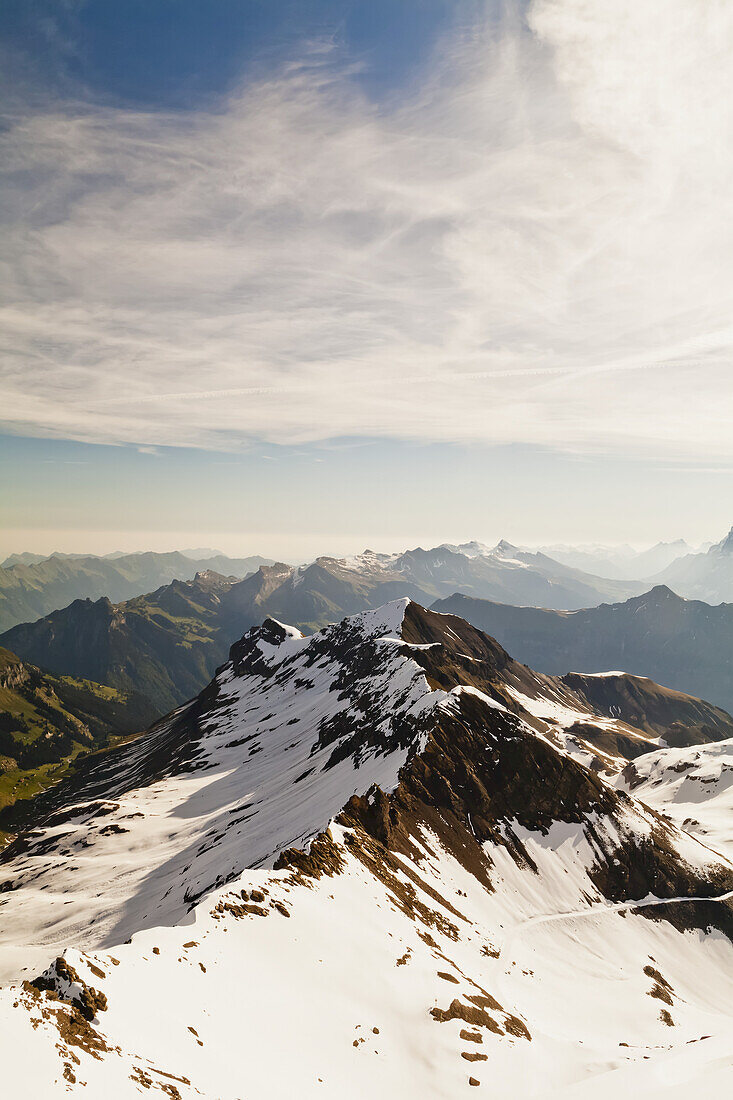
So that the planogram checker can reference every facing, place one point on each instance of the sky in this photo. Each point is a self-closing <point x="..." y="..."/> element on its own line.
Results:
<point x="299" y="277"/>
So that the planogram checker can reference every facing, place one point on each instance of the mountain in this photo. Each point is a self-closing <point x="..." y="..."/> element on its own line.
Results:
<point x="620" y="562"/>
<point x="30" y="589"/>
<point x="46" y="721"/>
<point x="507" y="573"/>
<point x="649" y="562"/>
<point x="22" y="559"/>
<point x="707" y="576"/>
<point x="33" y="559"/>
<point x="353" y="866"/>
<point x="677" y="719"/>
<point x="167" y="644"/>
<point x="164" y="646"/>
<point x="315" y="594"/>
<point x="503" y="571"/>
<point x="329" y="588"/>
<point x="685" y="644"/>
<point x="199" y="553"/>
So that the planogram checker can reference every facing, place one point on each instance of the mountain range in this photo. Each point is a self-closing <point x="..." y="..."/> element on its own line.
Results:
<point x="695" y="574"/>
<point x="557" y="577"/>
<point x="620" y="562"/>
<point x="388" y="850"/>
<point x="167" y="644"/>
<point x="164" y="646"/>
<point x="704" y="574"/>
<point x="31" y="587"/>
<point x="685" y="644"/>
<point x="707" y="576"/>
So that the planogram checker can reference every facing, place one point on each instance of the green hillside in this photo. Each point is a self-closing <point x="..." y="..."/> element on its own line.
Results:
<point x="47" y="721"/>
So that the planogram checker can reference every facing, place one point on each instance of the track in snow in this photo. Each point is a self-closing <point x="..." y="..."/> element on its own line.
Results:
<point x="615" y="907"/>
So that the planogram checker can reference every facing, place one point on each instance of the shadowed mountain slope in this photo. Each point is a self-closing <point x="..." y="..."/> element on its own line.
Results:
<point x="685" y="644"/>
<point x="46" y="721"/>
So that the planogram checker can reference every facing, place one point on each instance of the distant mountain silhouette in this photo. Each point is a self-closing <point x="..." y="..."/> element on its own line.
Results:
<point x="684" y="644"/>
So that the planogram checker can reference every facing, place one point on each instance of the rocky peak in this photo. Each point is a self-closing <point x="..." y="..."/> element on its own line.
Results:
<point x="504" y="549"/>
<point x="658" y="595"/>
<point x="725" y="546"/>
<point x="208" y="580"/>
<point x="13" y="671"/>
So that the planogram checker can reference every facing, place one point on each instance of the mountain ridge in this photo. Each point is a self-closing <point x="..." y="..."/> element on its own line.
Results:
<point x="30" y="589"/>
<point x="704" y="576"/>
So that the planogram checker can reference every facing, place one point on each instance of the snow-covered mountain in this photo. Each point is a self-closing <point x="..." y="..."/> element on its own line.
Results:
<point x="385" y="857"/>
<point x="328" y="588"/>
<point x="501" y="572"/>
<point x="506" y="572"/>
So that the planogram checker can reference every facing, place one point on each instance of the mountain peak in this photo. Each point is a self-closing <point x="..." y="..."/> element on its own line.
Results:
<point x="725" y="546"/>
<point x="660" y="593"/>
<point x="505" y="549"/>
<point x="207" y="578"/>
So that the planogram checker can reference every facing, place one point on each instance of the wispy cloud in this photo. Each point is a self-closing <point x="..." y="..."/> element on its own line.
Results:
<point x="533" y="246"/>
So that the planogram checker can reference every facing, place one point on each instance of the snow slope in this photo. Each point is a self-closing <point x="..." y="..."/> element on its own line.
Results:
<point x="693" y="786"/>
<point x="257" y="779"/>
<point x="356" y="864"/>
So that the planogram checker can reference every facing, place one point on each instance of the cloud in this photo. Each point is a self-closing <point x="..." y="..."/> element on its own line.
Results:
<point x="534" y="245"/>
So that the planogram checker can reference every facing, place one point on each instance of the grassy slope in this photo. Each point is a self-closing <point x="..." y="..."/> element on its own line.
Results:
<point x="168" y="646"/>
<point x="164" y="646"/>
<point x="47" y="721"/>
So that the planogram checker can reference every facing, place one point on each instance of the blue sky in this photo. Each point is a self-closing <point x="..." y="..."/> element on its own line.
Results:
<point x="177" y="53"/>
<point x="297" y="276"/>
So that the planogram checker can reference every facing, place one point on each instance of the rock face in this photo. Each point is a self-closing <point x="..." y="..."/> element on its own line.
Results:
<point x="679" y="719"/>
<point x="389" y="837"/>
